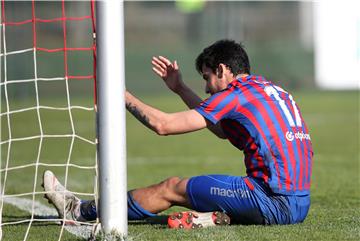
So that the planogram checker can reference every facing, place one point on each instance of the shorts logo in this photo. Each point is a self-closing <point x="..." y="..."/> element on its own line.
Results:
<point x="229" y="192"/>
<point x="290" y="136"/>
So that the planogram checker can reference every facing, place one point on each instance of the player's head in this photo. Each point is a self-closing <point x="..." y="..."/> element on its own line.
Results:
<point x="226" y="52"/>
<point x="220" y="63"/>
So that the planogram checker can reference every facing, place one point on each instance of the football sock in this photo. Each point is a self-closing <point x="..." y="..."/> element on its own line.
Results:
<point x="135" y="211"/>
<point x="88" y="210"/>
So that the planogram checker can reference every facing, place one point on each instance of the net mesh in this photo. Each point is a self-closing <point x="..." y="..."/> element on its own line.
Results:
<point x="47" y="107"/>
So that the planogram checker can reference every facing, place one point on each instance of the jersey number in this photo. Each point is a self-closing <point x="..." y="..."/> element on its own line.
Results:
<point x="274" y="91"/>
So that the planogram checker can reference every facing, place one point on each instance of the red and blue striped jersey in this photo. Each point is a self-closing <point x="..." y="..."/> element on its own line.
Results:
<point x="263" y="121"/>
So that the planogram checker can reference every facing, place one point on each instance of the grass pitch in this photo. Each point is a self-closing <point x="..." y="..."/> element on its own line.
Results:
<point x="333" y="120"/>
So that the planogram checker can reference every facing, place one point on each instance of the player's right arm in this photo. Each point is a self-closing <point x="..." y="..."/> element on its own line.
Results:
<point x="171" y="75"/>
<point x="165" y="123"/>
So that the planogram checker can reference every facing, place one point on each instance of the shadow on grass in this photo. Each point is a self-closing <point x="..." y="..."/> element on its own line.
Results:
<point x="157" y="220"/>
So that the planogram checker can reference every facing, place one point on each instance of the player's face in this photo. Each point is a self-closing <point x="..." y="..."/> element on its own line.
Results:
<point x="213" y="82"/>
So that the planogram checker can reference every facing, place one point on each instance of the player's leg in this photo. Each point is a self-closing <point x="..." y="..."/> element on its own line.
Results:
<point x="142" y="202"/>
<point x="172" y="191"/>
<point x="246" y="200"/>
<point x="236" y="196"/>
<point x="220" y="198"/>
<point x="148" y="201"/>
<point x="161" y="196"/>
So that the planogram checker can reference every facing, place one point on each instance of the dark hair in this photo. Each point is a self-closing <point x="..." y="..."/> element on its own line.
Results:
<point x="227" y="52"/>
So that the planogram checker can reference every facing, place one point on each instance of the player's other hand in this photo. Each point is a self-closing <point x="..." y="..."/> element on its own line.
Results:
<point x="168" y="71"/>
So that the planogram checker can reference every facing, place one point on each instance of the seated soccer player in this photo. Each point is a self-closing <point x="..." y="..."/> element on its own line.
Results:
<point x="256" y="116"/>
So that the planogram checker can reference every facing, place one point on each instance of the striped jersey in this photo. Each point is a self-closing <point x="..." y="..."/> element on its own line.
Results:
<point x="263" y="120"/>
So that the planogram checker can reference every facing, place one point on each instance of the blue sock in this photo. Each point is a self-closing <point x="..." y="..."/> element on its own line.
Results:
<point x="88" y="210"/>
<point x="135" y="211"/>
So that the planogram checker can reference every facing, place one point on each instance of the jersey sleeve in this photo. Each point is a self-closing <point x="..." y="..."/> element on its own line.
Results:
<point x="218" y="106"/>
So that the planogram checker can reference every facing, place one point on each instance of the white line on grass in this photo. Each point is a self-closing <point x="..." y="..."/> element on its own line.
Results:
<point x="45" y="212"/>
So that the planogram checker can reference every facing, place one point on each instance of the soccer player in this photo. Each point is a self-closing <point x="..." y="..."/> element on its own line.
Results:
<point x="256" y="116"/>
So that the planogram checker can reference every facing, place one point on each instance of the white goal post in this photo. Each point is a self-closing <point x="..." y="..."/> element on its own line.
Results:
<point x="111" y="118"/>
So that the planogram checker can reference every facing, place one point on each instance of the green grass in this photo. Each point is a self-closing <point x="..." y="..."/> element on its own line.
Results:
<point x="333" y="120"/>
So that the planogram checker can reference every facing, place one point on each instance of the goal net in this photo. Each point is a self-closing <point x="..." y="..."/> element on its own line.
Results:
<point x="47" y="113"/>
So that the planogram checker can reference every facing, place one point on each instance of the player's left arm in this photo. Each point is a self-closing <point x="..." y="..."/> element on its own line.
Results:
<point x="171" y="75"/>
<point x="165" y="123"/>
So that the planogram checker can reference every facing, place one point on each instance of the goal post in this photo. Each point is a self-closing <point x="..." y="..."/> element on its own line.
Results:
<point x="111" y="116"/>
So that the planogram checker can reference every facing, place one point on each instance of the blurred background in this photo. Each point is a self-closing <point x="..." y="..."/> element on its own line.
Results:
<point x="278" y="42"/>
<point x="278" y="36"/>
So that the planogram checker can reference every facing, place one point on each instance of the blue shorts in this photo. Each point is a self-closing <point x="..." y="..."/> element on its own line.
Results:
<point x="246" y="200"/>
